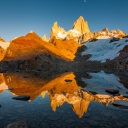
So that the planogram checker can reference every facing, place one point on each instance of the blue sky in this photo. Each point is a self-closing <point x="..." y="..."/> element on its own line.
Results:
<point x="18" y="17"/>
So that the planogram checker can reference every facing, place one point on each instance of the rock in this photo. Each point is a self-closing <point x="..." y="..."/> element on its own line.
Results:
<point x="114" y="39"/>
<point x="93" y="40"/>
<point x="10" y="88"/>
<point x="121" y="104"/>
<point x="67" y="80"/>
<point x="39" y="70"/>
<point x="112" y="91"/>
<point x="105" y="30"/>
<point x="126" y="40"/>
<point x="24" y="98"/>
<point x="45" y="125"/>
<point x="125" y="96"/>
<point x="17" y="70"/>
<point x="92" y="92"/>
<point x="0" y="106"/>
<point x="57" y="31"/>
<point x="81" y="25"/>
<point x="125" y="36"/>
<point x="18" y="124"/>
<point x="26" y="76"/>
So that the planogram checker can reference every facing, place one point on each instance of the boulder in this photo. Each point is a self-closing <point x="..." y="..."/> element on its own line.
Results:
<point x="24" y="98"/>
<point x="112" y="91"/>
<point x="121" y="104"/>
<point x="18" y="124"/>
<point x="68" y="80"/>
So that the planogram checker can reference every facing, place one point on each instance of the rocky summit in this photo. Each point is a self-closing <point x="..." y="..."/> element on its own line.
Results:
<point x="2" y="40"/>
<point x="81" y="25"/>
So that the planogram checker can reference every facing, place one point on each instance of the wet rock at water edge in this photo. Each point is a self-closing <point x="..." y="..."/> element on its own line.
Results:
<point x="18" y="124"/>
<point x="114" y="39"/>
<point x="125" y="96"/>
<point x="68" y="80"/>
<point x="121" y="104"/>
<point x="24" y="98"/>
<point x="26" y="76"/>
<point x="10" y="88"/>
<point x="92" y="92"/>
<point x="112" y="91"/>
<point x="39" y="69"/>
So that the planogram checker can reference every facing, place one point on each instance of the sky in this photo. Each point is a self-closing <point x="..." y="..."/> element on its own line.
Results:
<point x="18" y="17"/>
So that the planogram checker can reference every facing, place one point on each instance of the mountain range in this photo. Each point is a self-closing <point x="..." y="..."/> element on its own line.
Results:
<point x="78" y="45"/>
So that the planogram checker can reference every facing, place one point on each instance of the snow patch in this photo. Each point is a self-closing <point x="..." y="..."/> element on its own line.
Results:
<point x="101" y="50"/>
<point x="61" y="35"/>
<point x="103" y="37"/>
<point x="75" y="31"/>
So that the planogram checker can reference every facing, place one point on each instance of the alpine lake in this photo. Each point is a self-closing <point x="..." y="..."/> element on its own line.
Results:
<point x="96" y="99"/>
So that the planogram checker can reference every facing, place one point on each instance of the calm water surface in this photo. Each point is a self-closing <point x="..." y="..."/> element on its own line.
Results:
<point x="67" y="100"/>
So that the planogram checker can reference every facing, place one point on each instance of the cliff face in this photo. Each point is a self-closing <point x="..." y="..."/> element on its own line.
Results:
<point x="26" y="47"/>
<point x="81" y="25"/>
<point x="2" y="53"/>
<point x="57" y="31"/>
<point x="31" y="46"/>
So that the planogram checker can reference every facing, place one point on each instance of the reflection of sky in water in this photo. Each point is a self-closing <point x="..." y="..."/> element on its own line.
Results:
<point x="58" y="103"/>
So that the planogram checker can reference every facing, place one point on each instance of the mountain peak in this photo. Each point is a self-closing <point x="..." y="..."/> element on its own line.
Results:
<point x="2" y="40"/>
<point x="44" y="38"/>
<point x="105" y="30"/>
<point x="81" y="18"/>
<point x="81" y="25"/>
<point x="31" y="31"/>
<point x="55" y="25"/>
<point x="57" y="30"/>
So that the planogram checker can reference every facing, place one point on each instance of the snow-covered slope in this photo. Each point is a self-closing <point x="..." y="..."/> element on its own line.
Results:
<point x="101" y="50"/>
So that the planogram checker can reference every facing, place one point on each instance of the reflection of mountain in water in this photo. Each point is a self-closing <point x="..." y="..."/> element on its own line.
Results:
<point x="61" y="89"/>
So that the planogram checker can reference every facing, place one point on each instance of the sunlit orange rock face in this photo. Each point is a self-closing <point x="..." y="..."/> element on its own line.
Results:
<point x="31" y="45"/>
<point x="55" y="29"/>
<point x="25" y="47"/>
<point x="81" y="26"/>
<point x="66" y="48"/>
<point x="2" y="53"/>
<point x="44" y="38"/>
<point x="2" y="50"/>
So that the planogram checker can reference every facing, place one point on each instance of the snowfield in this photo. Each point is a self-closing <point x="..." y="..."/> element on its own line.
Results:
<point x="101" y="50"/>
